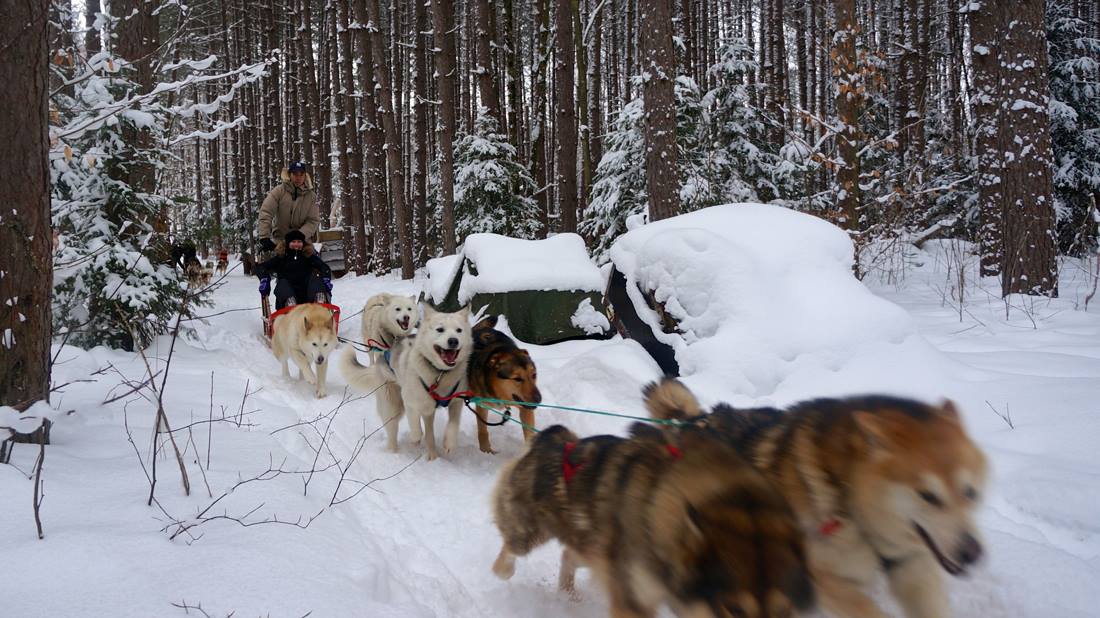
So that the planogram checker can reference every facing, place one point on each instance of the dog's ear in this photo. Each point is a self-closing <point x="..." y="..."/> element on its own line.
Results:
<point x="484" y="335"/>
<point x="464" y="312"/>
<point x="949" y="410"/>
<point x="305" y="319"/>
<point x="428" y="311"/>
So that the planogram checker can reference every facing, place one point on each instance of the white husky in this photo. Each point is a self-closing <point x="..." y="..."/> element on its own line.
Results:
<point x="431" y="362"/>
<point x="305" y="334"/>
<point x="387" y="318"/>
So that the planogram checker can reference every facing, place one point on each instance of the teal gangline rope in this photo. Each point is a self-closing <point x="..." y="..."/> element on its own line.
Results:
<point x="508" y="417"/>
<point x="509" y="402"/>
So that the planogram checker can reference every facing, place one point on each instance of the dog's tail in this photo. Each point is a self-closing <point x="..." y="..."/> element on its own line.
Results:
<point x="670" y="399"/>
<point x="365" y="378"/>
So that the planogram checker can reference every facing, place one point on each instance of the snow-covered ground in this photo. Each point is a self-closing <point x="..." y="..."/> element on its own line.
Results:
<point x="419" y="540"/>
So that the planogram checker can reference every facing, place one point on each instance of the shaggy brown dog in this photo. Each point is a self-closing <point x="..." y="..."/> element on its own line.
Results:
<point x="878" y="484"/>
<point x="690" y="525"/>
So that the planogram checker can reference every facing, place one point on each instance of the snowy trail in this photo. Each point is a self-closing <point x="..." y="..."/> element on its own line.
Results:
<point x="421" y="543"/>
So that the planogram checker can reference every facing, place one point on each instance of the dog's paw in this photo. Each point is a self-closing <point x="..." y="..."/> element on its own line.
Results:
<point x="486" y="448"/>
<point x="505" y="565"/>
<point x="433" y="454"/>
<point x="322" y="393"/>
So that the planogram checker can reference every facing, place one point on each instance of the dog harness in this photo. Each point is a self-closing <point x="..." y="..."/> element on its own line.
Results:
<point x="570" y="469"/>
<point x="440" y="400"/>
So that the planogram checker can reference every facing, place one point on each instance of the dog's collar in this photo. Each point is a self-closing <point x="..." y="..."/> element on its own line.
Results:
<point x="830" y="527"/>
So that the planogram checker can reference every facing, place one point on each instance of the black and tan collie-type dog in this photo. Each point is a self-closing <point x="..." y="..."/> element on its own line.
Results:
<point x="499" y="369"/>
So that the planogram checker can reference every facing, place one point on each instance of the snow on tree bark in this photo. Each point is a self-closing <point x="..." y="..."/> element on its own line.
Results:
<point x="658" y="65"/>
<point x="26" y="277"/>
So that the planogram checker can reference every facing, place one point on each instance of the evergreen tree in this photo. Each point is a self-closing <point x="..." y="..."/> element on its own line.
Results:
<point x="750" y="167"/>
<point x="1074" y="125"/>
<point x="493" y="191"/>
<point x="111" y="275"/>
<point x="618" y="190"/>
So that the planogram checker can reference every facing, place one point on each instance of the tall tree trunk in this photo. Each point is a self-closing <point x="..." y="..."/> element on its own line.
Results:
<point x="849" y="100"/>
<point x="628" y="43"/>
<point x="486" y="82"/>
<point x="445" y="56"/>
<point x="539" y="129"/>
<point x="380" y="214"/>
<point x="566" y="117"/>
<point x="985" y="31"/>
<point x="421" y="63"/>
<point x="659" y="62"/>
<point x="515" y="79"/>
<point x="27" y="284"/>
<point x="1015" y="161"/>
<point x="581" y="54"/>
<point x="319" y="157"/>
<point x="800" y="51"/>
<point x="595" y="72"/>
<point x="92" y="42"/>
<point x="347" y="135"/>
<point x="396" y="170"/>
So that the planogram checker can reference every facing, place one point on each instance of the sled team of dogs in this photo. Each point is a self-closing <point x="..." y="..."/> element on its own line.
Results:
<point x="755" y="513"/>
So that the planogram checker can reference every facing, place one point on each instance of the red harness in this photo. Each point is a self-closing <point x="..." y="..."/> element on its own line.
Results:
<point x="570" y="469"/>
<point x="830" y="527"/>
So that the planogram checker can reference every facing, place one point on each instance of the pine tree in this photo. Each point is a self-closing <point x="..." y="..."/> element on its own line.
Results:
<point x="110" y="277"/>
<point x="618" y="190"/>
<point x="748" y="166"/>
<point x="1074" y="124"/>
<point x="493" y="191"/>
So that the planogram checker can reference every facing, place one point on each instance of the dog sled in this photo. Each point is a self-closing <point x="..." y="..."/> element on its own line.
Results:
<point x="269" y="317"/>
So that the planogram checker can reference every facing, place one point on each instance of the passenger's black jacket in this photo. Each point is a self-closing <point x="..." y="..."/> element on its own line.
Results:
<point x="294" y="266"/>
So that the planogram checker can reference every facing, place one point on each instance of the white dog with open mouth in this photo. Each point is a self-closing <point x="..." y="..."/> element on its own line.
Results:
<point x="429" y="368"/>
<point x="387" y="318"/>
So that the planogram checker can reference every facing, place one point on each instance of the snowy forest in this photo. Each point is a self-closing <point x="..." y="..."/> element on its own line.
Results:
<point x="425" y="122"/>
<point x="955" y="143"/>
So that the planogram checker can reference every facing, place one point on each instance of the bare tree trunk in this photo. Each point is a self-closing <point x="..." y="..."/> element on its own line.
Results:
<point x="803" y="70"/>
<point x="1015" y="154"/>
<point x="421" y="64"/>
<point x="347" y="139"/>
<point x="539" y="167"/>
<point x="486" y="82"/>
<point x="27" y="284"/>
<point x="515" y="80"/>
<point x="396" y="170"/>
<point x="92" y="42"/>
<point x="314" y="121"/>
<point x="581" y="54"/>
<point x="628" y="42"/>
<point x="659" y="62"/>
<point x="849" y="99"/>
<point x="595" y="72"/>
<point x="445" y="56"/>
<point x="566" y="117"/>
<point x="380" y="214"/>
<point x="985" y="33"/>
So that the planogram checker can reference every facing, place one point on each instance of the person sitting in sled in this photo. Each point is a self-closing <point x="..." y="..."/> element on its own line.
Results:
<point x="302" y="274"/>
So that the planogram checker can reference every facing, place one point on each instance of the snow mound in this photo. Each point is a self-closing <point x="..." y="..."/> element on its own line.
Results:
<point x="495" y="263"/>
<point x="441" y="272"/>
<point x="759" y="293"/>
